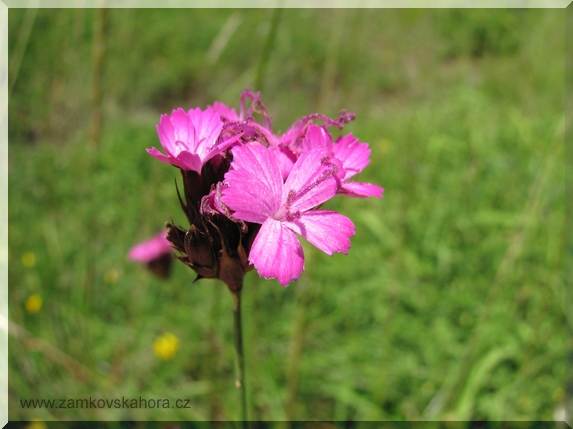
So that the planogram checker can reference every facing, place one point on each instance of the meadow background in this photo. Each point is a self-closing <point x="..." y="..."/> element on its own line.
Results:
<point x="450" y="304"/>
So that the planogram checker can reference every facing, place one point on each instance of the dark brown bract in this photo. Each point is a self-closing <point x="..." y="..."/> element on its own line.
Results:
<point x="214" y="245"/>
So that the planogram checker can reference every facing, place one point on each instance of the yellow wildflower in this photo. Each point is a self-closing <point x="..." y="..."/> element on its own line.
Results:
<point x="36" y="424"/>
<point x="33" y="303"/>
<point x="165" y="347"/>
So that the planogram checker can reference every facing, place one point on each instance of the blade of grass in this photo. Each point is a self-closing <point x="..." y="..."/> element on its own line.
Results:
<point x="223" y="37"/>
<point x="22" y="42"/>
<point x="268" y="48"/>
<point x="79" y="370"/>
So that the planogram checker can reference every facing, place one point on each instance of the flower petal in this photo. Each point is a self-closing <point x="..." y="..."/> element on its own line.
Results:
<point x="190" y="161"/>
<point x="327" y="230"/>
<point x="360" y="190"/>
<point x="289" y="139"/>
<point x="254" y="183"/>
<point x="151" y="249"/>
<point x="184" y="131"/>
<point x="316" y="137"/>
<point x="225" y="111"/>
<point x="220" y="147"/>
<point x="355" y="156"/>
<point x="314" y="178"/>
<point x="166" y="134"/>
<point x="208" y="126"/>
<point x="286" y="159"/>
<point x="248" y="197"/>
<point x="277" y="253"/>
<point x="165" y="158"/>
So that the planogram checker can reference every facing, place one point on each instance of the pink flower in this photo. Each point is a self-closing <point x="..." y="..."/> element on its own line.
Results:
<point x="152" y="249"/>
<point x="255" y="192"/>
<point x="355" y="156"/>
<point x="191" y="139"/>
<point x="226" y="112"/>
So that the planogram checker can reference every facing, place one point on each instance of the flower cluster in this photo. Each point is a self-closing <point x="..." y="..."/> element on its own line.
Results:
<point x="248" y="193"/>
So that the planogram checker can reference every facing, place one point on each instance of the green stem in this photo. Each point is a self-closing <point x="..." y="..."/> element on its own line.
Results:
<point x="216" y="411"/>
<point x="239" y="357"/>
<point x="268" y="48"/>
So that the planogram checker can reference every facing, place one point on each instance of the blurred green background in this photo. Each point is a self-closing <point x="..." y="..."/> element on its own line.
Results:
<point x="450" y="303"/>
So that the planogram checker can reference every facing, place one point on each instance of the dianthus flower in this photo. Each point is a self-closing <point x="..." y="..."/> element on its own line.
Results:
<point x="151" y="249"/>
<point x="191" y="138"/>
<point x="255" y="192"/>
<point x="248" y="193"/>
<point x="156" y="253"/>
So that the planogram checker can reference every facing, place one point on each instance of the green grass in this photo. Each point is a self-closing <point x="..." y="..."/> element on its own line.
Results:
<point x="450" y="303"/>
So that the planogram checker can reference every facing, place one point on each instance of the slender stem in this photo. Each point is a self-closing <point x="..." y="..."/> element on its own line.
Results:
<point x="239" y="357"/>
<point x="268" y="48"/>
<point x="216" y="411"/>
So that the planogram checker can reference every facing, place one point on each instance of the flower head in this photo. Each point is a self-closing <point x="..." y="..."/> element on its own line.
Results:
<point x="255" y="192"/>
<point x="248" y="193"/>
<point x="156" y="253"/>
<point x="166" y="346"/>
<point x="33" y="303"/>
<point x="191" y="138"/>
